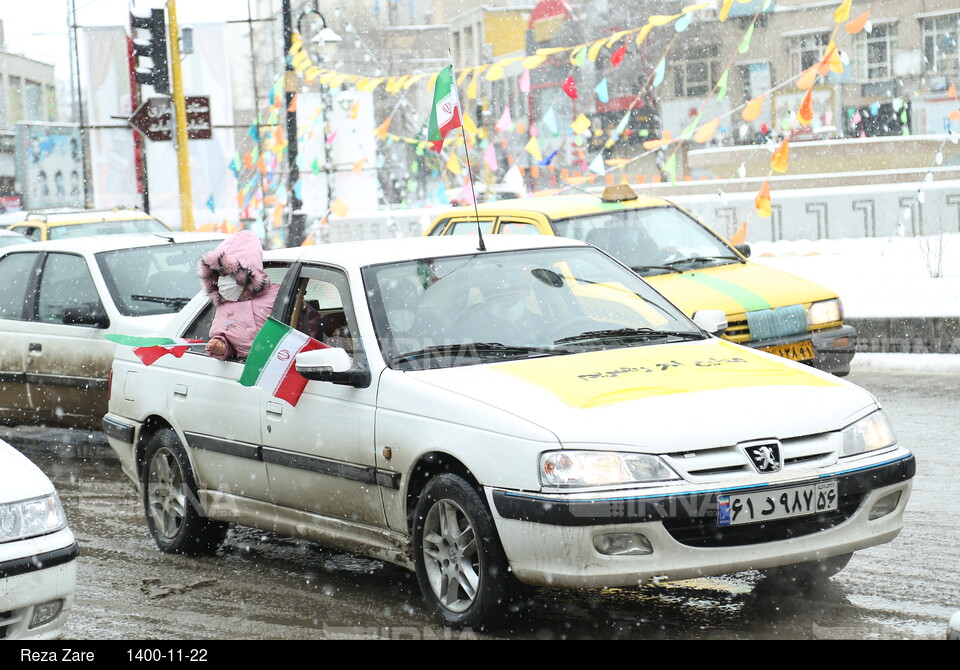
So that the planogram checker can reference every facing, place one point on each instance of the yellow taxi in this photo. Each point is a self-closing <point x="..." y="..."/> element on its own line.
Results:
<point x="62" y="224"/>
<point x="688" y="263"/>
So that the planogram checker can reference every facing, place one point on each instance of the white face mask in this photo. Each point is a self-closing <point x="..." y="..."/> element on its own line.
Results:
<point x="228" y="288"/>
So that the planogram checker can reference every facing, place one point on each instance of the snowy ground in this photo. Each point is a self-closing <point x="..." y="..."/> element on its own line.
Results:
<point x="881" y="277"/>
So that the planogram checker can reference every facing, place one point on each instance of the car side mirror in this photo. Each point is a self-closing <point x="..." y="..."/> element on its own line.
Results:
<point x="744" y="249"/>
<point x="714" y="321"/>
<point x="332" y="365"/>
<point x="85" y="315"/>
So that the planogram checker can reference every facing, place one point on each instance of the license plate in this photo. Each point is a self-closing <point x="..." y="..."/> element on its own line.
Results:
<point x="734" y="509"/>
<point x="798" y="351"/>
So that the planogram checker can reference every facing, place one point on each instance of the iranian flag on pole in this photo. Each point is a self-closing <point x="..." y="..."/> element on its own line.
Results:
<point x="270" y="364"/>
<point x="445" y="115"/>
<point x="149" y="349"/>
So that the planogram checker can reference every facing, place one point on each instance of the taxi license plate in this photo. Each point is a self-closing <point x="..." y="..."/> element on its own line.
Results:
<point x="734" y="509"/>
<point x="798" y="351"/>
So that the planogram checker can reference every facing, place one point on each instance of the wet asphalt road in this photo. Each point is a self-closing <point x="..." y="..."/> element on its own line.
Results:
<point x="262" y="586"/>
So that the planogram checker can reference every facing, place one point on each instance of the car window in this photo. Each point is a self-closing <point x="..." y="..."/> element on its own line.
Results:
<point x="469" y="227"/>
<point x="517" y="228"/>
<point x="66" y="284"/>
<point x="106" y="228"/>
<point x="322" y="309"/>
<point x="15" y="271"/>
<point x="35" y="233"/>
<point x="157" y="279"/>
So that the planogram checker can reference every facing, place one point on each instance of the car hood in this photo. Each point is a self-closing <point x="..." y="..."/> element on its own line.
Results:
<point x="20" y="479"/>
<point x="737" y="288"/>
<point x="663" y="398"/>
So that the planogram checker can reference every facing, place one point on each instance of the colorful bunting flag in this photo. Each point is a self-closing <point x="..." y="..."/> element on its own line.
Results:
<point x="505" y="124"/>
<point x="752" y="111"/>
<point x="617" y="57"/>
<point x="781" y="156"/>
<point x="570" y="88"/>
<point x="602" y="91"/>
<point x="762" y="201"/>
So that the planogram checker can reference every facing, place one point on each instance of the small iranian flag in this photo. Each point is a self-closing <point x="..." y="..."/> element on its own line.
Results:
<point x="149" y="349"/>
<point x="270" y="364"/>
<point x="445" y="115"/>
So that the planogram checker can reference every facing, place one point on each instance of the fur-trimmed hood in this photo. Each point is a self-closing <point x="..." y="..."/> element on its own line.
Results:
<point x="240" y="255"/>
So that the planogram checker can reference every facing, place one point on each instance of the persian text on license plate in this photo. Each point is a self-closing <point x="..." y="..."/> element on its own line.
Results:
<point x="798" y="351"/>
<point x="734" y="509"/>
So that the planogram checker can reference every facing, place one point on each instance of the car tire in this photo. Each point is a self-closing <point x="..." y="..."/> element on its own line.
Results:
<point x="170" y="501"/>
<point x="810" y="573"/>
<point x="460" y="564"/>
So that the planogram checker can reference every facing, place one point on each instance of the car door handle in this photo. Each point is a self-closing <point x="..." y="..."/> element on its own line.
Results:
<point x="274" y="408"/>
<point x="180" y="389"/>
<point x="35" y="348"/>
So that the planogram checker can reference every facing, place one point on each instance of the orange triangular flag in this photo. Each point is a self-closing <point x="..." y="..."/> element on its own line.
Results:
<point x="831" y="60"/>
<point x="706" y="132"/>
<point x="354" y="110"/>
<point x="292" y="107"/>
<point x="805" y="114"/>
<point x="952" y="91"/>
<point x="955" y="115"/>
<point x="740" y="237"/>
<point x="781" y="156"/>
<point x="656" y="144"/>
<point x="762" y="201"/>
<point x="858" y="23"/>
<point x="752" y="110"/>
<point x="807" y="79"/>
<point x="381" y="132"/>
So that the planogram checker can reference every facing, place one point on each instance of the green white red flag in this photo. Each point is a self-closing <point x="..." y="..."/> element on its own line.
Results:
<point x="271" y="363"/>
<point x="149" y="349"/>
<point x="445" y="115"/>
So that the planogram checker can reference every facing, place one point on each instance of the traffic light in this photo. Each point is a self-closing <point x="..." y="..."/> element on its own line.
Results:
<point x="154" y="47"/>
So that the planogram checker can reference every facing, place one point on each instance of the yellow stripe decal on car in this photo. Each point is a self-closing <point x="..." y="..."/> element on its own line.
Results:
<point x="602" y="378"/>
<point x="749" y="300"/>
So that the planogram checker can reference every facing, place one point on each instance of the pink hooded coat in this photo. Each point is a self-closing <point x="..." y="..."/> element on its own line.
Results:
<point x="237" y="323"/>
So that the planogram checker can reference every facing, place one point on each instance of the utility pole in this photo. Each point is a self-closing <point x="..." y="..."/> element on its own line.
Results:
<point x="295" y="230"/>
<point x="180" y="120"/>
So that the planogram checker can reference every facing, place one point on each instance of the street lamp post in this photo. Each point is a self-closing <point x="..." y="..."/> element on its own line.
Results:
<point x="295" y="229"/>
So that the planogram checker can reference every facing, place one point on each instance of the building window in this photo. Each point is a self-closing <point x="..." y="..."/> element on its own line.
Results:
<point x="940" y="37"/>
<point x="34" y="98"/>
<point x="874" y="52"/>
<point x="808" y="50"/>
<point x="16" y="99"/>
<point x="696" y="72"/>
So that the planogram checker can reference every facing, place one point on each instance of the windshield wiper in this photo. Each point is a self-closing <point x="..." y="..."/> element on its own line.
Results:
<point x="645" y="268"/>
<point x="703" y="259"/>
<point x="179" y="303"/>
<point x="477" y="350"/>
<point x="631" y="334"/>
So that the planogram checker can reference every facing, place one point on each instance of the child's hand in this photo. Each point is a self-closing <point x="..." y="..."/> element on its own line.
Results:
<point x="216" y="348"/>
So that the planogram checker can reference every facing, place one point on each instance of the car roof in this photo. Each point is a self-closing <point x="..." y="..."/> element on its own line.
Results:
<point x="97" y="243"/>
<point x="556" y="206"/>
<point x="376" y="252"/>
<point x="72" y="217"/>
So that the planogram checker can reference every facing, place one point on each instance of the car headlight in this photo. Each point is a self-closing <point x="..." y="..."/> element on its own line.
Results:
<point x="825" y="311"/>
<point x="29" y="518"/>
<point x="600" y="468"/>
<point x="868" y="434"/>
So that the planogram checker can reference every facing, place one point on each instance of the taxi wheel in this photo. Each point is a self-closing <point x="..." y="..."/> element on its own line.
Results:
<point x="170" y="501"/>
<point x="460" y="564"/>
<point x="807" y="574"/>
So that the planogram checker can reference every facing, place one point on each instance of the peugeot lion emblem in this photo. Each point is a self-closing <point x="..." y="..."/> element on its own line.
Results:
<point x="765" y="457"/>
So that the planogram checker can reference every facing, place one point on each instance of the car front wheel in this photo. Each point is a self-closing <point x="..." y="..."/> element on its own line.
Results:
<point x="170" y="501"/>
<point x="460" y="565"/>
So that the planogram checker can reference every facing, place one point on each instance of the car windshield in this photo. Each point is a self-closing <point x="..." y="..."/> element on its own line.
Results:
<point x="651" y="240"/>
<point x="106" y="228"/>
<point x="158" y="279"/>
<point x="464" y="310"/>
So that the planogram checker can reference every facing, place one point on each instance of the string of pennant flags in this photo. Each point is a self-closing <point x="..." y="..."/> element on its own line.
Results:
<point x="260" y="175"/>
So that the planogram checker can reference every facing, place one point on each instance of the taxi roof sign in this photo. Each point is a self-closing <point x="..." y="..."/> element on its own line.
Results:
<point x="619" y="193"/>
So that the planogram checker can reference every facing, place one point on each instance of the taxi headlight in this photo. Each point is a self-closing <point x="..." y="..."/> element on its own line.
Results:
<point x="600" y="468"/>
<point x="868" y="434"/>
<point x="29" y="518"/>
<point x="825" y="311"/>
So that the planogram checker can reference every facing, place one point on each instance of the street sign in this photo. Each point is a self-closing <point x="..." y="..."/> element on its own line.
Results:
<point x="154" y="119"/>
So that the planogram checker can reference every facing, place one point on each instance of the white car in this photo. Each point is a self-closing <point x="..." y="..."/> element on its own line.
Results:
<point x="531" y="412"/>
<point x="953" y="629"/>
<point x="38" y="552"/>
<point x="57" y="301"/>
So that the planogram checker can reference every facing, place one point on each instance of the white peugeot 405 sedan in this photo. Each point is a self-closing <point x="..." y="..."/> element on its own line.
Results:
<point x="37" y="552"/>
<point x="525" y="412"/>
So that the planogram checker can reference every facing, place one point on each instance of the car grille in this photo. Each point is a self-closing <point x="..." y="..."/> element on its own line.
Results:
<point x="5" y="623"/>
<point x="728" y="463"/>
<point x="704" y="531"/>
<point x="738" y="330"/>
